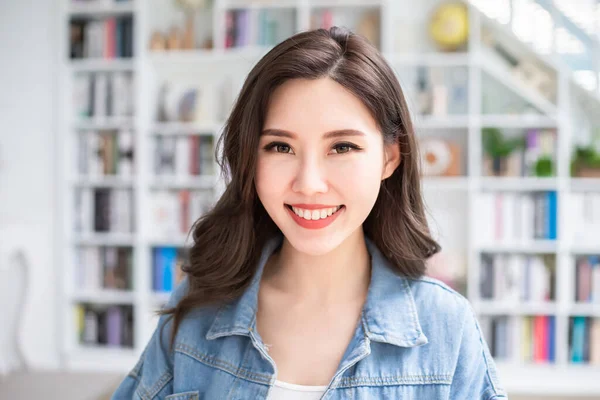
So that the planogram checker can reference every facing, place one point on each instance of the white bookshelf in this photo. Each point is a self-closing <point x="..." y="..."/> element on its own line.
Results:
<point x="74" y="355"/>
<point x="462" y="193"/>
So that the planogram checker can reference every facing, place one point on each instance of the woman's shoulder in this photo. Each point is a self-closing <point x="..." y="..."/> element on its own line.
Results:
<point x="436" y="300"/>
<point x="196" y="321"/>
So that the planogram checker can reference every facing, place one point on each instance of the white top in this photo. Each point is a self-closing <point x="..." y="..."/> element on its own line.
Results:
<point x="289" y="391"/>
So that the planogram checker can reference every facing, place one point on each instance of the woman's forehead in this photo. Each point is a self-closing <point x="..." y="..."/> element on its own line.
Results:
<point x="317" y="107"/>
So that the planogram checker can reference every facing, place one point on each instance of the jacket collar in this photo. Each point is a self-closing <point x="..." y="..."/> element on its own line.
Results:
<point x="389" y="314"/>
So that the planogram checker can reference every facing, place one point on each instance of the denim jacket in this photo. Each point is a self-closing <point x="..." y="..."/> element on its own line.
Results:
<point x="417" y="339"/>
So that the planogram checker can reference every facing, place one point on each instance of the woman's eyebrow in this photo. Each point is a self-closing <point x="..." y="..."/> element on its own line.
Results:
<point x="327" y="135"/>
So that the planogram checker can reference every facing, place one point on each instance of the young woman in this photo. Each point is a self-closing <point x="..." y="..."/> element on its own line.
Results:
<point x="306" y="280"/>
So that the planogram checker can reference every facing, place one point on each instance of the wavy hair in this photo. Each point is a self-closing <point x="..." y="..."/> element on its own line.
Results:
<point x="228" y="240"/>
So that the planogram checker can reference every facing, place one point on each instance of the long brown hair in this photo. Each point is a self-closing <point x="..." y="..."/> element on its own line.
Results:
<point x="228" y="240"/>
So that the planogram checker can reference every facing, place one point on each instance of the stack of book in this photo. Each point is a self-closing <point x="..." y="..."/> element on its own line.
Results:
<point x="267" y="28"/>
<point x="584" y="215"/>
<point x="166" y="267"/>
<point x="584" y="340"/>
<point x="105" y="152"/>
<point x="174" y="212"/>
<point x="107" y="38"/>
<point x="518" y="217"/>
<point x="105" y="325"/>
<point x="184" y="156"/>
<point x="517" y="278"/>
<point x="104" y="210"/>
<point x="529" y="339"/>
<point x="103" y="94"/>
<point x="587" y="279"/>
<point x="103" y="267"/>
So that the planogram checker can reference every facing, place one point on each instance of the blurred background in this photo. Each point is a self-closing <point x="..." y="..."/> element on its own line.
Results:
<point x="111" y="111"/>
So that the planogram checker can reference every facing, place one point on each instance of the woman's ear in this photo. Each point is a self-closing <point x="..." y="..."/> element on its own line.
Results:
<point x="392" y="159"/>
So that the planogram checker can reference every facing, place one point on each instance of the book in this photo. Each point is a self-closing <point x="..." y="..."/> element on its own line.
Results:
<point x="105" y="38"/>
<point x="511" y="278"/>
<point x="105" y="325"/>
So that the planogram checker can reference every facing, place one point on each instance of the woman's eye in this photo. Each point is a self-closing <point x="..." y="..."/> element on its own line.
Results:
<point x="278" y="147"/>
<point x="344" y="148"/>
<point x="282" y="148"/>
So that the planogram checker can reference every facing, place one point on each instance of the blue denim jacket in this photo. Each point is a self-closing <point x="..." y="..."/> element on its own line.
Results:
<point x="418" y="339"/>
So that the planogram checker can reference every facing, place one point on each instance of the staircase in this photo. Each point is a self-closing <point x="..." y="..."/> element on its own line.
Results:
<point x="554" y="28"/>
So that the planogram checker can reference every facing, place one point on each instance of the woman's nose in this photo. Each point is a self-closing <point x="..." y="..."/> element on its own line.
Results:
<point x="310" y="178"/>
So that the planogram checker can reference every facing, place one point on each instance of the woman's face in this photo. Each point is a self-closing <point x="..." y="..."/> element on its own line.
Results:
<point x="320" y="164"/>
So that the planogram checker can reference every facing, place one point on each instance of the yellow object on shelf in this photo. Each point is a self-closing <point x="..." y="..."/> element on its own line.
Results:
<point x="449" y="26"/>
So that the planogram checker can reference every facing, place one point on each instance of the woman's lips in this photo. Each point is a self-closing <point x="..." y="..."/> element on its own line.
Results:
<point x="315" y="224"/>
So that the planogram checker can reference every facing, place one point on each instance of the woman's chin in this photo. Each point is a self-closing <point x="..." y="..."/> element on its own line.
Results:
<point x="313" y="244"/>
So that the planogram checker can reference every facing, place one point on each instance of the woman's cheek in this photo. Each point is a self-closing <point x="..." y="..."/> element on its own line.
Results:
<point x="273" y="175"/>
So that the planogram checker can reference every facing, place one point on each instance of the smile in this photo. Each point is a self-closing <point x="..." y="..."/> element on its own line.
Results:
<point x="315" y="218"/>
<point x="315" y="214"/>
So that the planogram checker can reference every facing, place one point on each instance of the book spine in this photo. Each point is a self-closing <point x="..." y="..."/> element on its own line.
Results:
<point x="157" y="284"/>
<point x="595" y="341"/>
<point x="114" y="324"/>
<point x="169" y="256"/>
<point x="184" y="203"/>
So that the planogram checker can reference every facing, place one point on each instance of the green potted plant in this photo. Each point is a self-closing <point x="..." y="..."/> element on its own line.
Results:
<point x="498" y="148"/>
<point x="586" y="162"/>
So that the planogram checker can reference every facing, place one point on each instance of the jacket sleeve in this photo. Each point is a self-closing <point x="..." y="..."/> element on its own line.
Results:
<point x="152" y="376"/>
<point x="475" y="375"/>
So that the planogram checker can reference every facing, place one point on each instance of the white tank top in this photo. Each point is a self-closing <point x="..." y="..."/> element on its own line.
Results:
<point x="289" y="391"/>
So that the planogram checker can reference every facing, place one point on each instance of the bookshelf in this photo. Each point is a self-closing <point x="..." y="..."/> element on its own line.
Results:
<point x="212" y="77"/>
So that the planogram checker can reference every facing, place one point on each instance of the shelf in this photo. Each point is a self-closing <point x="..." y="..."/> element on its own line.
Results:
<point x="104" y="181"/>
<point x="256" y="4"/>
<point x="458" y="59"/>
<point x="100" y="8"/>
<point x="104" y="123"/>
<point x="519" y="184"/>
<point x="102" y="65"/>
<point x="345" y="3"/>
<point x="104" y="239"/>
<point x="550" y="380"/>
<point x="445" y="183"/>
<point x="172" y="60"/>
<point x="441" y="122"/>
<point x="177" y="240"/>
<point x="187" y="128"/>
<point x="104" y="296"/>
<point x="584" y="248"/>
<point x="529" y="247"/>
<point x="492" y="307"/>
<point x="181" y="183"/>
<point x="585" y="184"/>
<point x="101" y="358"/>
<point x="585" y="309"/>
<point x="518" y="121"/>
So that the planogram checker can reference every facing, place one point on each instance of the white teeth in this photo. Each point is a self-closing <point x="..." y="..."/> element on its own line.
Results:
<point x="315" y="214"/>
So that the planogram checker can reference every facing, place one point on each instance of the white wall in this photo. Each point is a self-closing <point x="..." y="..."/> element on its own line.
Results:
<point x="28" y="76"/>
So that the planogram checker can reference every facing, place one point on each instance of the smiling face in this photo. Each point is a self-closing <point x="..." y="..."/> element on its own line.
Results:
<point x="320" y="163"/>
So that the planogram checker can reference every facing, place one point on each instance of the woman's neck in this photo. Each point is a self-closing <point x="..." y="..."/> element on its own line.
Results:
<point x="337" y="277"/>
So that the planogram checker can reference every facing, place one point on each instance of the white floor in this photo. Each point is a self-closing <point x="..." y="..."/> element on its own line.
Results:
<point x="63" y="386"/>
